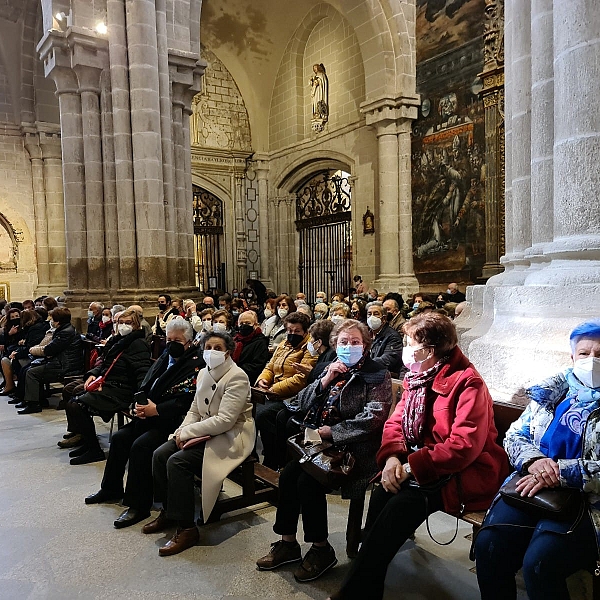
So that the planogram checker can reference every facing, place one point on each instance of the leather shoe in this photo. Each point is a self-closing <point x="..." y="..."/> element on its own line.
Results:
<point x="76" y="440"/>
<point x="88" y="457"/>
<point x="78" y="451"/>
<point x="182" y="540"/>
<point x="30" y="408"/>
<point x="21" y="404"/>
<point x="131" y="516"/>
<point x="159" y="524"/>
<point x="14" y="400"/>
<point x="103" y="496"/>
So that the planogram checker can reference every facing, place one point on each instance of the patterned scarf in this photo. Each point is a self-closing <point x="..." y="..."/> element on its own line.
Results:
<point x="413" y="418"/>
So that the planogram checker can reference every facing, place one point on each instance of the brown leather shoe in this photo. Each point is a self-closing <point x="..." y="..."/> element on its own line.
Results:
<point x="182" y="540"/>
<point x="159" y="524"/>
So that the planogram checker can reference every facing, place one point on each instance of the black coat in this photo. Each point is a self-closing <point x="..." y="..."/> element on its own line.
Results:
<point x="387" y="349"/>
<point x="173" y="389"/>
<point x="65" y="351"/>
<point x="34" y="334"/>
<point x="131" y="368"/>
<point x="255" y="355"/>
<point x="93" y="328"/>
<point x="324" y="359"/>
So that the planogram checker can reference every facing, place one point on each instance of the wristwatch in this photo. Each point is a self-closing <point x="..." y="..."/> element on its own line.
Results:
<point x="407" y="469"/>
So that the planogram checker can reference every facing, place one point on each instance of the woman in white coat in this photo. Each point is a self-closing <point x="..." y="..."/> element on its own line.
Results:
<point x="215" y="437"/>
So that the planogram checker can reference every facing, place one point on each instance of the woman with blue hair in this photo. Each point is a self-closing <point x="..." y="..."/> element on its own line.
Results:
<point x="555" y="443"/>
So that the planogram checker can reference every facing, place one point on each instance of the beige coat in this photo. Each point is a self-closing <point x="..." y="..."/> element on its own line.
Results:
<point x="221" y="409"/>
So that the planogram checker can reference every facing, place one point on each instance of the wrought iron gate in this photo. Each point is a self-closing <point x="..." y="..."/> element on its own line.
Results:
<point x="208" y="234"/>
<point x="324" y="223"/>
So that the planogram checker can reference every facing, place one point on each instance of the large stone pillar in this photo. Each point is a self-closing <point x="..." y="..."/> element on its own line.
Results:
<point x="241" y="254"/>
<point x="262" y="173"/>
<point x="146" y="143"/>
<point x="391" y="119"/>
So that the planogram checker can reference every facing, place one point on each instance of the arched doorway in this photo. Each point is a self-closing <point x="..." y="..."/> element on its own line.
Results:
<point x="208" y="240"/>
<point x="324" y="225"/>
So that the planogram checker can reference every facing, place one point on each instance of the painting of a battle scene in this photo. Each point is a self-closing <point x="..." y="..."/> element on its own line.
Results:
<point x="448" y="162"/>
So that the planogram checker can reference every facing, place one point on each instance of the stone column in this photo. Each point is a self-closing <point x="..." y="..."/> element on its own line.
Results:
<point x="146" y="143"/>
<point x="240" y="275"/>
<point x="575" y="249"/>
<point x="32" y="146"/>
<point x="542" y="131"/>
<point x="521" y="139"/>
<point x="89" y="89"/>
<point x="391" y="119"/>
<point x="493" y="101"/>
<point x="121" y="120"/>
<point x="262" y="173"/>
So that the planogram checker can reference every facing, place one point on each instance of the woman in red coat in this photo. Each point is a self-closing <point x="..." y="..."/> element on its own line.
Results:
<point x="442" y="429"/>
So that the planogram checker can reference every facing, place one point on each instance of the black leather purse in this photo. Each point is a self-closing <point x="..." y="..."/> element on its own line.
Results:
<point x="561" y="504"/>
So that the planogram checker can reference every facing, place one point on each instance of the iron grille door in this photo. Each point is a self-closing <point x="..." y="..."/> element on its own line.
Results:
<point x="208" y="233"/>
<point x="324" y="223"/>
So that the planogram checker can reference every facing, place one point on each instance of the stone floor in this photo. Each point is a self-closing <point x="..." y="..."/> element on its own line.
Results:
<point x="56" y="547"/>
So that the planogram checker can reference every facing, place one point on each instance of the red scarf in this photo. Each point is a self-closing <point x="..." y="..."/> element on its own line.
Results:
<point x="103" y="325"/>
<point x="241" y="341"/>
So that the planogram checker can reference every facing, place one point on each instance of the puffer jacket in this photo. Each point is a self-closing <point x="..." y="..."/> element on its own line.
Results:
<point x="522" y="442"/>
<point x="279" y="372"/>
<point x="364" y="405"/>
<point x="65" y="351"/>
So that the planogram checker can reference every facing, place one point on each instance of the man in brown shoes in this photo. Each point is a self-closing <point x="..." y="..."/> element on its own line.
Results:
<point x="183" y="538"/>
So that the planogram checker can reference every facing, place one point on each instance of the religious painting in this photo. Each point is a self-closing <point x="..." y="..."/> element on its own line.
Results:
<point x="443" y="25"/>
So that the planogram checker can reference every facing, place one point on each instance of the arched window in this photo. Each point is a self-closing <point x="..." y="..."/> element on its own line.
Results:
<point x="324" y="224"/>
<point x="208" y="239"/>
<point x="9" y="252"/>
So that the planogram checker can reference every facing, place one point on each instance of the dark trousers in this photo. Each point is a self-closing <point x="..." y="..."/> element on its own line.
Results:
<point x="301" y="493"/>
<point x="173" y="471"/>
<point x="35" y="377"/>
<point x="391" y="519"/>
<point x="285" y="427"/>
<point x="546" y="556"/>
<point x="69" y="391"/>
<point x="136" y="443"/>
<point x="266" y="424"/>
<point x="81" y="421"/>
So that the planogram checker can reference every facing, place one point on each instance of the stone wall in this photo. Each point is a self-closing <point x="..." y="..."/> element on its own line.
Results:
<point x="6" y="112"/>
<point x="16" y="205"/>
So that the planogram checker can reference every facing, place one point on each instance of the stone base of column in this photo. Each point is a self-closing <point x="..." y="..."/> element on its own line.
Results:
<point x="53" y="290"/>
<point x="405" y="284"/>
<point x="491" y="269"/>
<point x="522" y="334"/>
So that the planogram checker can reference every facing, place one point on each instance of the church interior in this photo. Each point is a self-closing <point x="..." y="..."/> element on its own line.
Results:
<point x="187" y="146"/>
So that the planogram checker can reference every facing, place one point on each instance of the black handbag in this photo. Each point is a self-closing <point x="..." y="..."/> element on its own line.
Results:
<point x="329" y="465"/>
<point x="561" y="504"/>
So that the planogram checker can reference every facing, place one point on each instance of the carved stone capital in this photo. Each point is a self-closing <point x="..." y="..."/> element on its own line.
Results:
<point x="185" y="71"/>
<point x="388" y="109"/>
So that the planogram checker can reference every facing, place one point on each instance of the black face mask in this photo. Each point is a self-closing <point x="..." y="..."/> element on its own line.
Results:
<point x="162" y="306"/>
<point x="390" y="317"/>
<point x="175" y="349"/>
<point x="15" y="322"/>
<point x="440" y="304"/>
<point x="294" y="339"/>
<point x="246" y="329"/>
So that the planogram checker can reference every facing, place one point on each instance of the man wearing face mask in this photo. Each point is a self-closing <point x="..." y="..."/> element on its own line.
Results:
<point x="169" y="387"/>
<point x="387" y="343"/>
<point x="251" y="352"/>
<point x="125" y="362"/>
<point x="165" y="313"/>
<point x="282" y="379"/>
<point x="94" y="318"/>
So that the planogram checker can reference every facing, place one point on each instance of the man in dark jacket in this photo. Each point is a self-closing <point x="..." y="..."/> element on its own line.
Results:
<point x="387" y="343"/>
<point x="93" y="322"/>
<point x="169" y="387"/>
<point x="62" y="356"/>
<point x="251" y="352"/>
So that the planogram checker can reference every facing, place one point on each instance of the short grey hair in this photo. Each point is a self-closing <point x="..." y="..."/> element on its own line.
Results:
<point x="376" y="303"/>
<point x="179" y="324"/>
<point x="117" y="308"/>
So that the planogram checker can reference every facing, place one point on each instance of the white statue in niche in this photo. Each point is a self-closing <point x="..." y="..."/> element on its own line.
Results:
<point x="319" y="91"/>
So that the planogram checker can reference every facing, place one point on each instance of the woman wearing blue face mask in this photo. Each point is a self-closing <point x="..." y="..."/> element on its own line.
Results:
<point x="348" y="405"/>
<point x="554" y="444"/>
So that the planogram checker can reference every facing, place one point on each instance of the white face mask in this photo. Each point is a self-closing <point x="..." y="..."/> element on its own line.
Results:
<point x="268" y="313"/>
<point x="587" y="370"/>
<point x="408" y="358"/>
<point x="449" y="291"/>
<point x="213" y="358"/>
<point x="219" y="327"/>
<point x="105" y="319"/>
<point x="282" y="312"/>
<point x="311" y="348"/>
<point x="374" y="323"/>
<point x="125" y="329"/>
<point x="337" y="319"/>
<point x="207" y="325"/>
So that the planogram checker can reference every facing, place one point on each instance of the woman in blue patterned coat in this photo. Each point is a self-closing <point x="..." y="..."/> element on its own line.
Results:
<point x="555" y="443"/>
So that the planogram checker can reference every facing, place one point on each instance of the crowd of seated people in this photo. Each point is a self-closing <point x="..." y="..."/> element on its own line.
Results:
<point x="323" y="365"/>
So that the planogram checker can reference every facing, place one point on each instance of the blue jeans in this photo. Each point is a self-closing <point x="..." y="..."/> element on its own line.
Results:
<point x="545" y="553"/>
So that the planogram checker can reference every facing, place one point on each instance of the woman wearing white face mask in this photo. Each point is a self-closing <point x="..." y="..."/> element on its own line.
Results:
<point x="284" y="306"/>
<point x="443" y="425"/>
<point x="221" y="413"/>
<point x="553" y="444"/>
<point x="125" y="361"/>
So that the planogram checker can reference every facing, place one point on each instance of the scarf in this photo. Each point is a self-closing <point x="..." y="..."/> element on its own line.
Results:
<point x="563" y="438"/>
<point x="413" y="417"/>
<point x="241" y="341"/>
